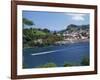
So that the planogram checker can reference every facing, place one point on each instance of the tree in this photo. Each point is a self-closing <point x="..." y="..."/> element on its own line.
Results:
<point x="55" y="33"/>
<point x="27" y="22"/>
<point x="46" y="30"/>
<point x="27" y="32"/>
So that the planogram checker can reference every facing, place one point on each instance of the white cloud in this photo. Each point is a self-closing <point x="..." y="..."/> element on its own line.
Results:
<point x="77" y="16"/>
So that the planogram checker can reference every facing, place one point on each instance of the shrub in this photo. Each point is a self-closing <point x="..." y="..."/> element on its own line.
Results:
<point x="47" y="65"/>
<point x="85" y="61"/>
<point x="67" y="64"/>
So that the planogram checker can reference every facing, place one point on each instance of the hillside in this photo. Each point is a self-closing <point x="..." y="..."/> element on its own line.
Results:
<point x="36" y="37"/>
<point x="75" y="28"/>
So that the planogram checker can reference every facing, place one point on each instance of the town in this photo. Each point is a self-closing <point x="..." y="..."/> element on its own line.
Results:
<point x="74" y="36"/>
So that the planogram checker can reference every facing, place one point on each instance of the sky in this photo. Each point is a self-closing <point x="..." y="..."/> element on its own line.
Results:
<point x="55" y="21"/>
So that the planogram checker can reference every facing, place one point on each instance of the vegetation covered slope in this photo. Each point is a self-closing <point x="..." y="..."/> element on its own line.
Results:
<point x="37" y="37"/>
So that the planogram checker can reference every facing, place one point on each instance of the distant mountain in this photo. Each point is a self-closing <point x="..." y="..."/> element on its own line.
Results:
<point x="74" y="28"/>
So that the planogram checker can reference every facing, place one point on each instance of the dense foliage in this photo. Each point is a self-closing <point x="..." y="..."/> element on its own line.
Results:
<point x="39" y="37"/>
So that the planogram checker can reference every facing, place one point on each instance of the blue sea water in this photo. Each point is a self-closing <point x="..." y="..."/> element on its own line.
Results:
<point x="69" y="53"/>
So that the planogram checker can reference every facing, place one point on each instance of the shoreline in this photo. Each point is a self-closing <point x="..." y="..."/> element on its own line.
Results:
<point x="62" y="43"/>
<point x="73" y="41"/>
